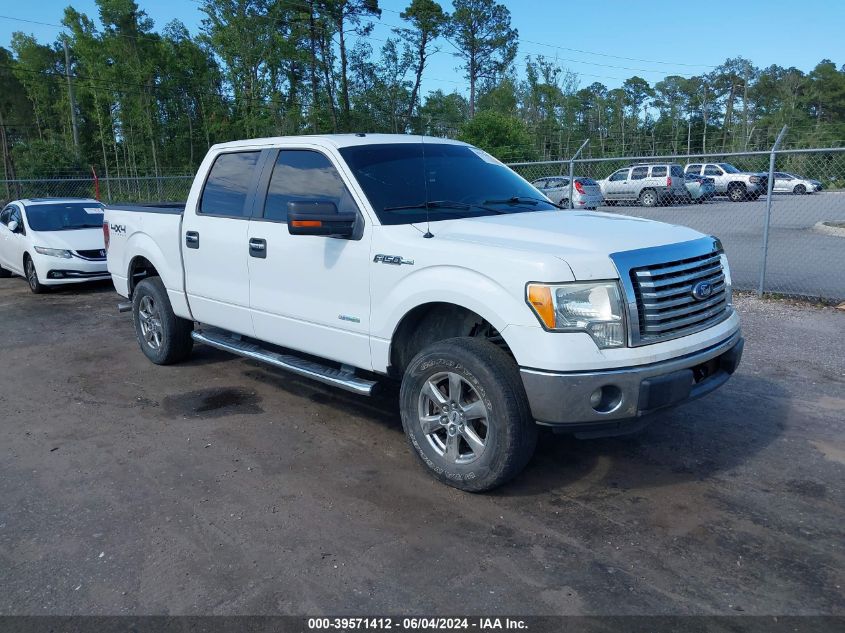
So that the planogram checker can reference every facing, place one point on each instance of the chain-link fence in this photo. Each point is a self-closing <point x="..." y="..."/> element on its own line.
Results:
<point x="123" y="189"/>
<point x="794" y="246"/>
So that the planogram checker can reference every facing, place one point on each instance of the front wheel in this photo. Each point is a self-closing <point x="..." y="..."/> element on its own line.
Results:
<point x="799" y="190"/>
<point x="32" y="277"/>
<point x="466" y="415"/>
<point x="164" y="337"/>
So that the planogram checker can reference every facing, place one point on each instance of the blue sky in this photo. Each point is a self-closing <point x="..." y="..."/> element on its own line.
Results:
<point x="599" y="40"/>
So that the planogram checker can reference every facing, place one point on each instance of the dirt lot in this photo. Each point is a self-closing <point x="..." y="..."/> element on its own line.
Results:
<point x="219" y="486"/>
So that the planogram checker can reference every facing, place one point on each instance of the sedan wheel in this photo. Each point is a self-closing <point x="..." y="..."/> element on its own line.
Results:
<point x="32" y="277"/>
<point x="799" y="190"/>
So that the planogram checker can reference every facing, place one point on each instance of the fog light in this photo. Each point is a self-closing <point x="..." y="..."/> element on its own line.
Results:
<point x="606" y="399"/>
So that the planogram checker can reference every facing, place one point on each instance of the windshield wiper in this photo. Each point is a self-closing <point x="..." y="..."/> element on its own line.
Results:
<point x="522" y="200"/>
<point x="441" y="204"/>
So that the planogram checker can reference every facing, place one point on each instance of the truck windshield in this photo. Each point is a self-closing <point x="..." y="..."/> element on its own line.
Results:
<point x="399" y="180"/>
<point x="65" y="216"/>
<point x="729" y="168"/>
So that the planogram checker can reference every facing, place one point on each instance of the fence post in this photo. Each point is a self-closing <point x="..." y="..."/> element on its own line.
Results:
<point x="572" y="171"/>
<point x="771" y="185"/>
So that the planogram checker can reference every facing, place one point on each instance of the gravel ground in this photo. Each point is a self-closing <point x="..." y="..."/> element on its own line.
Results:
<point x="222" y="487"/>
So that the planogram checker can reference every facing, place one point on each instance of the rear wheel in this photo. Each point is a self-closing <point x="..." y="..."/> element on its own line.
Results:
<point x="164" y="337"/>
<point x="648" y="198"/>
<point x="466" y="415"/>
<point x="736" y="192"/>
<point x="32" y="276"/>
<point x="564" y="202"/>
<point x="799" y="190"/>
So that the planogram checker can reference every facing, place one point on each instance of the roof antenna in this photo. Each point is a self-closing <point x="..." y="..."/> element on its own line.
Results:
<point x="428" y="234"/>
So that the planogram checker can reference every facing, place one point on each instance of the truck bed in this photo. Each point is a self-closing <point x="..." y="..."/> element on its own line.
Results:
<point x="175" y="208"/>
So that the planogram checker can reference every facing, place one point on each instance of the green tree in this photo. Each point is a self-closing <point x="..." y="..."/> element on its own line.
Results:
<point x="504" y="136"/>
<point x="428" y="21"/>
<point x="485" y="41"/>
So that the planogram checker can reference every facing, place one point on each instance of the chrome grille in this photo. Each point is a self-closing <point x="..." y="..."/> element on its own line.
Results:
<point x="666" y="306"/>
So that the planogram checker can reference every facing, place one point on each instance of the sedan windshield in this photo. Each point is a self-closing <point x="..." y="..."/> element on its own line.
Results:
<point x="408" y="182"/>
<point x="65" y="216"/>
<point x="729" y="168"/>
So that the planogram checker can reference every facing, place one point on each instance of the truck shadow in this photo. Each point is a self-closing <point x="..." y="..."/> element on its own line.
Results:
<point x="689" y="443"/>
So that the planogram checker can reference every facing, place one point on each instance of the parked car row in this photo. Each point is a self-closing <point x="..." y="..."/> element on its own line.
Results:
<point x="652" y="184"/>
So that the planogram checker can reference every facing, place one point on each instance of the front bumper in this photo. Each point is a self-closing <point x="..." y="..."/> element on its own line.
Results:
<point x="53" y="271"/>
<point x="563" y="400"/>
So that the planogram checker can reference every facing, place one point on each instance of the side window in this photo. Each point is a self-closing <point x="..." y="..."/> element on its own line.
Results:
<point x="712" y="170"/>
<point x="622" y="174"/>
<point x="304" y="175"/>
<point x="677" y="171"/>
<point x="694" y="169"/>
<point x="228" y="183"/>
<point x="658" y="171"/>
<point x="540" y="184"/>
<point x="5" y="216"/>
<point x="638" y="173"/>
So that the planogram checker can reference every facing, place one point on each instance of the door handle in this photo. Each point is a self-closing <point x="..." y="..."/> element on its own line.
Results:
<point x="192" y="239"/>
<point x="258" y="248"/>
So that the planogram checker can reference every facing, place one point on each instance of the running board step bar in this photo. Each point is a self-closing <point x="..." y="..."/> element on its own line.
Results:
<point x="345" y="379"/>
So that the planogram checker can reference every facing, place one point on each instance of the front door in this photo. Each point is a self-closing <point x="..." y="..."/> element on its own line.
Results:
<point x="614" y="187"/>
<point x="215" y="239"/>
<point x="309" y="292"/>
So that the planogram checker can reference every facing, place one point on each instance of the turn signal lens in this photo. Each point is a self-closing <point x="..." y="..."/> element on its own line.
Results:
<point x="540" y="298"/>
<point x="307" y="223"/>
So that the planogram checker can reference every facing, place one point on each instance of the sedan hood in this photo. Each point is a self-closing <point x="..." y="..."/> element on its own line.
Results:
<point x="583" y="240"/>
<point x="75" y="240"/>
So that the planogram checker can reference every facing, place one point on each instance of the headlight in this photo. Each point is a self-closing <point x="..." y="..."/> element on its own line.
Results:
<point x="591" y="307"/>
<point x="54" y="252"/>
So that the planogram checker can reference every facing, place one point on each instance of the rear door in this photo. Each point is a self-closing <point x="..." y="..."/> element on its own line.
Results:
<point x="215" y="240"/>
<point x="636" y="183"/>
<point x="782" y="182"/>
<point x="558" y="189"/>
<point x="309" y="292"/>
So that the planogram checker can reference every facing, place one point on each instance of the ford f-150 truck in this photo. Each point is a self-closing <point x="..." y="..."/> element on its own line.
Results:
<point x="353" y="259"/>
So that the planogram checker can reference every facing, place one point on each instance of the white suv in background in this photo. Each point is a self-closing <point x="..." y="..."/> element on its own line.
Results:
<point x="647" y="184"/>
<point x="53" y="241"/>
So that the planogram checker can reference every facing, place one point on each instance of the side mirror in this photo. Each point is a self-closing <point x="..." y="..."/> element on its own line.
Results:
<point x="319" y="217"/>
<point x="13" y="226"/>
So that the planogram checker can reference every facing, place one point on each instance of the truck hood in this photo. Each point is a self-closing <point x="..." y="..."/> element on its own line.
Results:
<point x="584" y="240"/>
<point x="76" y="240"/>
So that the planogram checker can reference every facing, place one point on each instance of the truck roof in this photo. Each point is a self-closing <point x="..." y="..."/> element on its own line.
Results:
<point x="339" y="140"/>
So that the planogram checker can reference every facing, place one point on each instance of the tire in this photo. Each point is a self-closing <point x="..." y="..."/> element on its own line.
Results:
<point x="31" y="276"/>
<point x="737" y="193"/>
<point x="164" y="338"/>
<point x="648" y="198"/>
<point x="489" y="434"/>
<point x="799" y="190"/>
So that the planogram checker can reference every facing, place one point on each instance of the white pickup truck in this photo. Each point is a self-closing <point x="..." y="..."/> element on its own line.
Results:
<point x="357" y="258"/>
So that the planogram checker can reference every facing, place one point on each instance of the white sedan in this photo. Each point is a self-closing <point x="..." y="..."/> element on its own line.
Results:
<point x="53" y="241"/>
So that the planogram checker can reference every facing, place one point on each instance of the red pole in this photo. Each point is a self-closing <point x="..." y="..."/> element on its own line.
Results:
<point x="96" y="183"/>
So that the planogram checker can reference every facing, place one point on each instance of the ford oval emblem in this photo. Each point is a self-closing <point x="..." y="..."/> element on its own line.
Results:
<point x="702" y="290"/>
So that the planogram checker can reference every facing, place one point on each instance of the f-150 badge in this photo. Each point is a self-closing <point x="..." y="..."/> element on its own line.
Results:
<point x="396" y="260"/>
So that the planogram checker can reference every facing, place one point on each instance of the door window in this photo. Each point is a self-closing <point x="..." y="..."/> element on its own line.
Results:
<point x="712" y="170"/>
<point x="228" y="184"/>
<point x="659" y="171"/>
<point x="304" y="175"/>
<point x="622" y="174"/>
<point x="638" y="173"/>
<point x="693" y="169"/>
